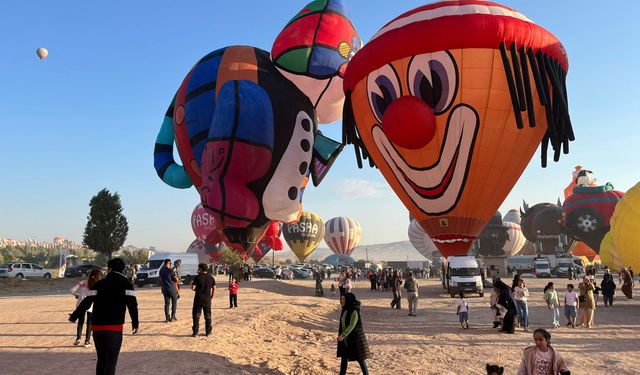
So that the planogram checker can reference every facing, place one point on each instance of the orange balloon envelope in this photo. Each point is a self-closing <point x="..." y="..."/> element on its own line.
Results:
<point x="450" y="102"/>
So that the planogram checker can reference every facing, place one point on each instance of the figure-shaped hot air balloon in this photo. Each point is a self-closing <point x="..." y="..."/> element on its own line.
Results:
<point x="542" y="225"/>
<point x="516" y="240"/>
<point x="245" y="123"/>
<point x="582" y="177"/>
<point x="270" y="240"/>
<point x="342" y="234"/>
<point x="493" y="237"/>
<point x="450" y="102"/>
<point x="305" y="235"/>
<point x="42" y="53"/>
<point x="421" y="241"/>
<point x="588" y="209"/>
<point x="625" y="229"/>
<point x="206" y="253"/>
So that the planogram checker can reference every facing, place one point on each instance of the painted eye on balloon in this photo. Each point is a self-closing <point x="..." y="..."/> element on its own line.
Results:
<point x="383" y="87"/>
<point x="433" y="77"/>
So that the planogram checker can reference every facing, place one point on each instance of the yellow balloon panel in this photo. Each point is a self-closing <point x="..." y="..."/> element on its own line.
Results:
<point x="625" y="229"/>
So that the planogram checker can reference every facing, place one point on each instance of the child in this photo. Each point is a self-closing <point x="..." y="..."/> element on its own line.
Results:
<point x="233" y="293"/>
<point x="463" y="312"/>
<point x="596" y="291"/>
<point x="333" y="290"/>
<point x="571" y="306"/>
<point x="551" y="297"/>
<point x="542" y="358"/>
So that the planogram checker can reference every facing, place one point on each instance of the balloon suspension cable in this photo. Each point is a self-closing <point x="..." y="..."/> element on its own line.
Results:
<point x="549" y="78"/>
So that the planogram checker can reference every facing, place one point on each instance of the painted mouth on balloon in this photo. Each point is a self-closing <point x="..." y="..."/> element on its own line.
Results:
<point x="449" y="239"/>
<point x="436" y="189"/>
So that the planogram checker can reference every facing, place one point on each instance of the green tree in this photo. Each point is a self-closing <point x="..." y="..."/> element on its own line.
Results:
<point x="107" y="227"/>
<point x="228" y="256"/>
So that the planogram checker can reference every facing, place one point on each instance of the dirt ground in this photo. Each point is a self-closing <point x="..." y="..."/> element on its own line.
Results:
<point x="280" y="328"/>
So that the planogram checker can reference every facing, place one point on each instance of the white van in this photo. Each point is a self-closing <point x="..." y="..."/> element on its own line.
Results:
<point x="150" y="271"/>
<point x="463" y="275"/>
<point x="542" y="267"/>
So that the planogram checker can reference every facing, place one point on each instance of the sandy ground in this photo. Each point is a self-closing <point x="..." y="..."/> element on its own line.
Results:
<point x="280" y="328"/>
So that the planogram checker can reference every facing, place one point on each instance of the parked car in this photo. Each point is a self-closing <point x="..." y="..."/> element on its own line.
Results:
<point x="301" y="273"/>
<point x="266" y="273"/>
<point x="24" y="270"/>
<point x="80" y="270"/>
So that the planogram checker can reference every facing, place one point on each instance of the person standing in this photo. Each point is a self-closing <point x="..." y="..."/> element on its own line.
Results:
<point x="396" y="282"/>
<point x="278" y="273"/>
<point x="169" y="281"/>
<point x="411" y="286"/>
<point x="341" y="278"/>
<point x="204" y="286"/>
<point x="627" y="283"/>
<point x="608" y="287"/>
<point x="587" y="302"/>
<point x="352" y="342"/>
<point x="373" y="278"/>
<point x="319" y="289"/>
<point x="110" y="297"/>
<point x="551" y="298"/>
<point x="542" y="358"/>
<point x="520" y="294"/>
<point x="571" y="303"/>
<point x="347" y="282"/>
<point x="81" y="290"/>
<point x="233" y="293"/>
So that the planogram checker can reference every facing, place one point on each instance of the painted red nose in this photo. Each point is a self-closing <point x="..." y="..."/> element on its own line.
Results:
<point x="409" y="122"/>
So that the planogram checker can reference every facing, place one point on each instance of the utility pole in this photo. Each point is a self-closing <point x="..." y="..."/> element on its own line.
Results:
<point x="366" y="249"/>
<point x="273" y="258"/>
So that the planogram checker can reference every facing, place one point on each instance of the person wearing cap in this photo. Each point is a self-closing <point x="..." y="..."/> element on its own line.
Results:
<point x="204" y="286"/>
<point x="110" y="297"/>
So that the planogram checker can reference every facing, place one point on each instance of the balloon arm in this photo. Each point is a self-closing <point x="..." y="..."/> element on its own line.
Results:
<point x="168" y="170"/>
<point x="325" y="152"/>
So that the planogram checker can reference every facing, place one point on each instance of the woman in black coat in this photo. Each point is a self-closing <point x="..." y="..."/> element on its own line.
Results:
<point x="352" y="343"/>
<point x="504" y="299"/>
<point x="608" y="287"/>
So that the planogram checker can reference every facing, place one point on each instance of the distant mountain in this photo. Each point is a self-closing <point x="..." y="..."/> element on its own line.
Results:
<point x="393" y="251"/>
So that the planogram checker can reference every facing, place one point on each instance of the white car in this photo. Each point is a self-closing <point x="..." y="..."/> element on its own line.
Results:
<point x="24" y="270"/>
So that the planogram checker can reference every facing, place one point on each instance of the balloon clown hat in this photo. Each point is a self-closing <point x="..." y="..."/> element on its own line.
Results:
<point x="313" y="50"/>
<point x="450" y="101"/>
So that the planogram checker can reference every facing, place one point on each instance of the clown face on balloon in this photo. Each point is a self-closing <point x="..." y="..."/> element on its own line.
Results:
<point x="450" y="102"/>
<point x="245" y="122"/>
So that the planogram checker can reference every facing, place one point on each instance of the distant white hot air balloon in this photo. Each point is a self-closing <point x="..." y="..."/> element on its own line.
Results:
<point x="513" y="216"/>
<point x="516" y="240"/>
<point x="421" y="240"/>
<point x="42" y="53"/>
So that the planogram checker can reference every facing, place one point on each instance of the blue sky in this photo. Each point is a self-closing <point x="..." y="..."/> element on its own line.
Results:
<point x="87" y="117"/>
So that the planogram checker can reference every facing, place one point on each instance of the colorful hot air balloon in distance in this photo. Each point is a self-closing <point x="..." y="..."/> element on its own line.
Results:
<point x="450" y="101"/>
<point x="206" y="253"/>
<point x="516" y="240"/>
<point x="202" y="223"/>
<point x="625" y="230"/>
<point x="421" y="241"/>
<point x="342" y="234"/>
<point x="42" y="53"/>
<point x="245" y="123"/>
<point x="305" y="235"/>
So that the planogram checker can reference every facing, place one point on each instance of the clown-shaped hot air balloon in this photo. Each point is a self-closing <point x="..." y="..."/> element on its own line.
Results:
<point x="450" y="102"/>
<point x="342" y="234"/>
<point x="421" y="241"/>
<point x="304" y="235"/>
<point x="245" y="122"/>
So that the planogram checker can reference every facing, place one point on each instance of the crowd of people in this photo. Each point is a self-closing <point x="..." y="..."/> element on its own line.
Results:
<point x="102" y="302"/>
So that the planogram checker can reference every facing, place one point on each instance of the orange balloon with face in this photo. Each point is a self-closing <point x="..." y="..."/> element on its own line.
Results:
<point x="450" y="102"/>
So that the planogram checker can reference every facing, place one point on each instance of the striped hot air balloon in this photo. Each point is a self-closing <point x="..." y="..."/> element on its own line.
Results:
<point x="516" y="240"/>
<point x="421" y="240"/>
<point x="342" y="234"/>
